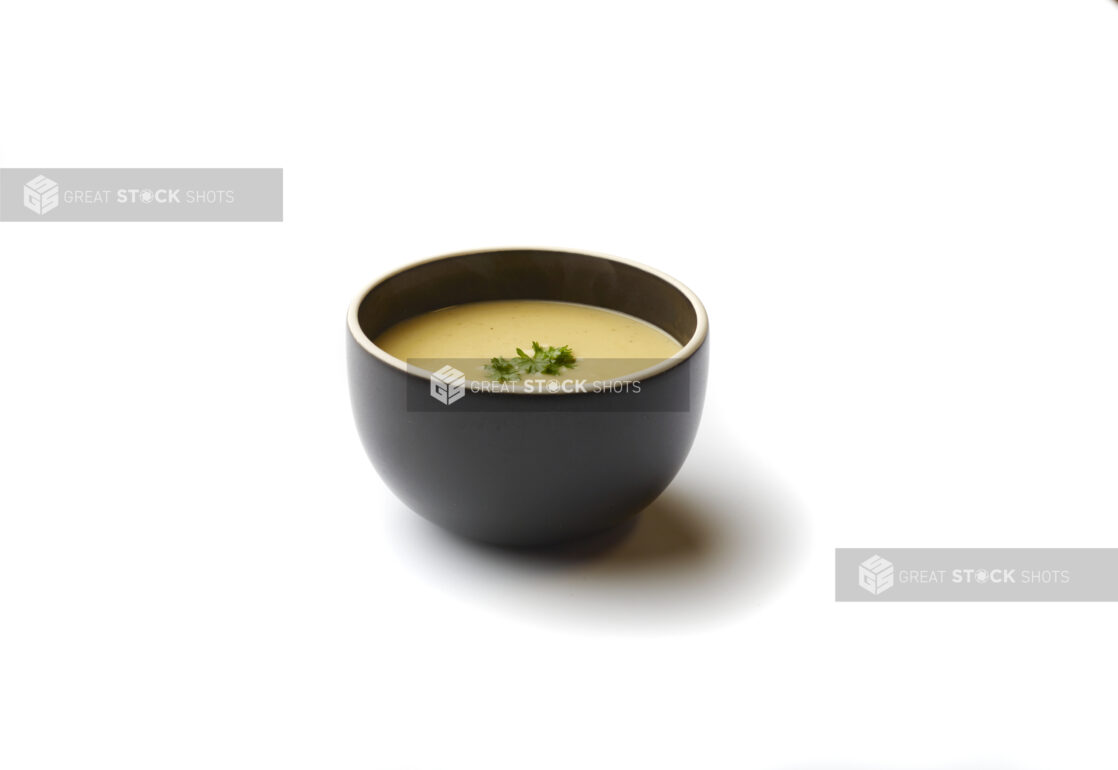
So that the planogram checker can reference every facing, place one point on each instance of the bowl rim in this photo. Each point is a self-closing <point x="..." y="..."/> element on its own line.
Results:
<point x="692" y="345"/>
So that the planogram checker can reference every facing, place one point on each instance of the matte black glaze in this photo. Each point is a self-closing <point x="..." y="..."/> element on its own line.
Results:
<point x="527" y="469"/>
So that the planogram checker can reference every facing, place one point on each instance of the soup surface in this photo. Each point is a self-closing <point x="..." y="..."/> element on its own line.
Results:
<point x="605" y="343"/>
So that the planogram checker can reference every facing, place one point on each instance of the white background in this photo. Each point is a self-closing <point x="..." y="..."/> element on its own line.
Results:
<point x="900" y="215"/>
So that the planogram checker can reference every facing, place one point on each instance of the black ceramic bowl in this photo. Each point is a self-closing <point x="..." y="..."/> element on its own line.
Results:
<point x="519" y="468"/>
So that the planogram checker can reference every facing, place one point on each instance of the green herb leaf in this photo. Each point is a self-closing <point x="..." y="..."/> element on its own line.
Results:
<point x="549" y="360"/>
<point x="502" y="370"/>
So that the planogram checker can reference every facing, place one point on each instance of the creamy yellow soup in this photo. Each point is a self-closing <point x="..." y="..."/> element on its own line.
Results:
<point x="605" y="343"/>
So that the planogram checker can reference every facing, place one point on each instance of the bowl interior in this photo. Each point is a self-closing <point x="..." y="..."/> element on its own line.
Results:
<point x="530" y="274"/>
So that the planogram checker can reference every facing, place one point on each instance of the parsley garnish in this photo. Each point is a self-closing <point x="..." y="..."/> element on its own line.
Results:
<point x="549" y="360"/>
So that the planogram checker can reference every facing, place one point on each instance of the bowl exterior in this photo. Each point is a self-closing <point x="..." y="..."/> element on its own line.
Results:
<point x="523" y="470"/>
